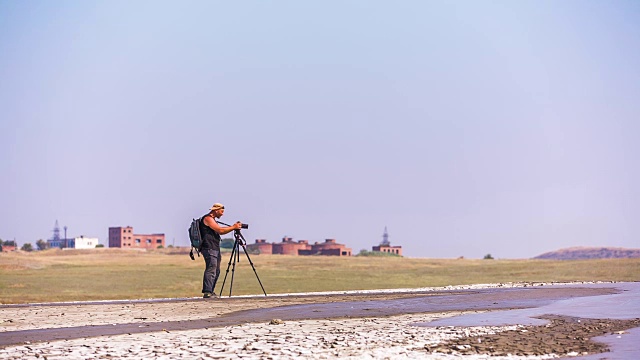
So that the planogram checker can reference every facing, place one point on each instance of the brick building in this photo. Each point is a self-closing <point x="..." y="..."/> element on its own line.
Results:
<point x="123" y="237"/>
<point x="389" y="249"/>
<point x="301" y="247"/>
<point x="329" y="248"/>
<point x="261" y="246"/>
<point x="289" y="247"/>
<point x="385" y="245"/>
<point x="8" y="245"/>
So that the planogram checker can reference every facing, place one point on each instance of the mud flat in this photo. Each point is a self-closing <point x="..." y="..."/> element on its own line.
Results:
<point x="359" y="324"/>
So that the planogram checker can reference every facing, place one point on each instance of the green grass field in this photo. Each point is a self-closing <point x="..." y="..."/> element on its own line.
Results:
<point x="75" y="275"/>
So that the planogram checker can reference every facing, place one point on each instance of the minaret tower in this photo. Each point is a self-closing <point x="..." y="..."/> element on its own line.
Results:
<point x="385" y="238"/>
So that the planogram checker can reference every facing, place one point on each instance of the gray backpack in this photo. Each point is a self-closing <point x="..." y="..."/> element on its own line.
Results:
<point x="195" y="237"/>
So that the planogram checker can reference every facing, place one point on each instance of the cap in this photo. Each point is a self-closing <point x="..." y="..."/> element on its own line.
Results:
<point x="216" y="206"/>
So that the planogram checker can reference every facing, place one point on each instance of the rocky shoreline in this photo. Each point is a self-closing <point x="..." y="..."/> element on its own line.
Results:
<point x="563" y="336"/>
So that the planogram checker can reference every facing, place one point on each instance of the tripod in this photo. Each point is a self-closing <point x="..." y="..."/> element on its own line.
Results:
<point x="235" y="257"/>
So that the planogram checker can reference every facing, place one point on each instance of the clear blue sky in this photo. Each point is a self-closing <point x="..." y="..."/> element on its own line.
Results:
<point x="465" y="127"/>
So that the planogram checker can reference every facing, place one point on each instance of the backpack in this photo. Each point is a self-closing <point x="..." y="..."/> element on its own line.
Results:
<point x="195" y="237"/>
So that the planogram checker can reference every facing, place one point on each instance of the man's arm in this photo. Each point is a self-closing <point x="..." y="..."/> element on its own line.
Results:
<point x="210" y="222"/>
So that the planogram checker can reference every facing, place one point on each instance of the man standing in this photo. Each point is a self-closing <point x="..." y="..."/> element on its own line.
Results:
<point x="211" y="231"/>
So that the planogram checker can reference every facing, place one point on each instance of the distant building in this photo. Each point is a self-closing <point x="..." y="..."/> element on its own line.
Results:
<point x="301" y="247"/>
<point x="85" y="243"/>
<point x="385" y="245"/>
<point x="123" y="237"/>
<point x="329" y="248"/>
<point x="8" y="245"/>
<point x="58" y="242"/>
<point x="289" y="247"/>
<point x="262" y="246"/>
<point x="120" y="236"/>
<point x="70" y="243"/>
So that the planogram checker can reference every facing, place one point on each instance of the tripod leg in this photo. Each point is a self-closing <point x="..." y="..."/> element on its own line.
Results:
<point x="254" y="268"/>
<point x="233" y="269"/>
<point x="228" y="265"/>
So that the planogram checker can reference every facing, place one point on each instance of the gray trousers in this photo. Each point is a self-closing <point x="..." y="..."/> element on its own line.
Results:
<point x="212" y="270"/>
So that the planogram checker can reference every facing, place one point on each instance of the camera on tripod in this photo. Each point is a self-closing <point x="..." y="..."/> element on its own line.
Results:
<point x="235" y="257"/>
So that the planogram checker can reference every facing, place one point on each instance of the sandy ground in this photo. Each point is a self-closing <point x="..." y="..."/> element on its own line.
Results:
<point x="374" y="324"/>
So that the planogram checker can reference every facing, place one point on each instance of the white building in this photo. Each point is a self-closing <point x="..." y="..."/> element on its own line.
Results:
<point x="85" y="243"/>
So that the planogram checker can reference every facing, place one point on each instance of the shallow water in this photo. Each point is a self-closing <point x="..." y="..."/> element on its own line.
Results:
<point x="469" y="300"/>
<point x="625" y="305"/>
<point x="623" y="346"/>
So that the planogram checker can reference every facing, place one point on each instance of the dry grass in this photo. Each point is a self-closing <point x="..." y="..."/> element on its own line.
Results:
<point x="100" y="274"/>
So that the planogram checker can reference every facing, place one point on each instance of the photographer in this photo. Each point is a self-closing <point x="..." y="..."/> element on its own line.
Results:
<point x="211" y="232"/>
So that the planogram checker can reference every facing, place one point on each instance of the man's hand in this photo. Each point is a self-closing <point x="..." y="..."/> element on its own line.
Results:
<point x="237" y="225"/>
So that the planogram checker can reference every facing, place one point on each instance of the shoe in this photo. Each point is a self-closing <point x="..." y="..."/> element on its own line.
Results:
<point x="210" y="295"/>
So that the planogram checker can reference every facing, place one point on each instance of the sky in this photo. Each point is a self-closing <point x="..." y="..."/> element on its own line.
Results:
<point x="465" y="128"/>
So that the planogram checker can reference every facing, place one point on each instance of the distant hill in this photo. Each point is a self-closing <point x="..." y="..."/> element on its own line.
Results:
<point x="578" y="253"/>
